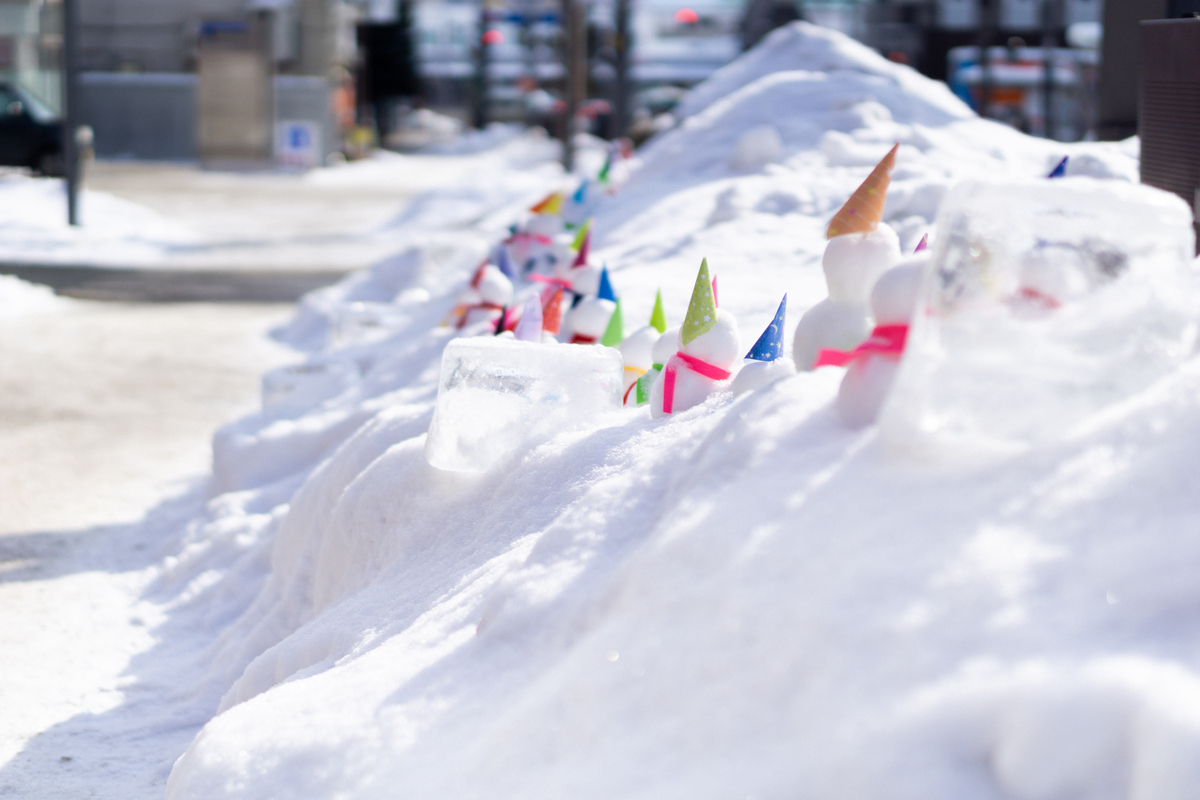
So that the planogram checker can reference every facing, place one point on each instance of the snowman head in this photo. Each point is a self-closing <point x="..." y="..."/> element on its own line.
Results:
<point x="896" y="293"/>
<point x="719" y="345"/>
<point x="853" y="262"/>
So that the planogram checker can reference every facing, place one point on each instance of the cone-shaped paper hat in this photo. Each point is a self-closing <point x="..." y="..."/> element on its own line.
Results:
<point x="770" y="345"/>
<point x="702" y="311"/>
<point x="585" y="247"/>
<point x="863" y="212"/>
<point x="604" y="171"/>
<point x="606" y="288"/>
<point x="552" y="313"/>
<point x="923" y="244"/>
<point x="551" y="205"/>
<point x="1061" y="170"/>
<point x="580" y="193"/>
<point x="716" y="297"/>
<point x="504" y="262"/>
<point x="584" y="230"/>
<point x="501" y="321"/>
<point x="658" y="317"/>
<point x="529" y="328"/>
<point x="478" y="276"/>
<point x="615" y="332"/>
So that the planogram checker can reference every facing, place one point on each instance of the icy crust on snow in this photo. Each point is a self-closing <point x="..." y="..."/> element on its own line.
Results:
<point x="747" y="599"/>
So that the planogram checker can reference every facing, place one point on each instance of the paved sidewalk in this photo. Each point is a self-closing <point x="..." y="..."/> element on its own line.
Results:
<point x="105" y="407"/>
<point x="261" y="220"/>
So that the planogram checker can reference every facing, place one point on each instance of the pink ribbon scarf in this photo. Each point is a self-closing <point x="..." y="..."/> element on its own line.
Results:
<point x="522" y="236"/>
<point x="887" y="340"/>
<point x="695" y="365"/>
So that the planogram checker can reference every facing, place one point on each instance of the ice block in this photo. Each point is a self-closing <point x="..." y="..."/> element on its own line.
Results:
<point x="1045" y="303"/>
<point x="499" y="396"/>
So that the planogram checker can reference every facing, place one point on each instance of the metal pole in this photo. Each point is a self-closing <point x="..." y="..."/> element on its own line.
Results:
<point x="480" y="111"/>
<point x="986" y="26"/>
<point x="1049" y="40"/>
<point x="575" y="41"/>
<point x="621" y="67"/>
<point x="70" y="146"/>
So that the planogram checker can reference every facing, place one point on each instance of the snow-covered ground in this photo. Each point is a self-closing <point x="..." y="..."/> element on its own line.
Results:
<point x="748" y="599"/>
<point x="334" y="218"/>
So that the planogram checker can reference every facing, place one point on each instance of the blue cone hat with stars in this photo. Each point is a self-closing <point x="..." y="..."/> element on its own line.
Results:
<point x="770" y="345"/>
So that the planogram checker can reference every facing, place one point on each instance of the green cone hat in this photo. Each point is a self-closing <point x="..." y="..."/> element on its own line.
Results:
<point x="658" y="317"/>
<point x="702" y="310"/>
<point x="615" y="332"/>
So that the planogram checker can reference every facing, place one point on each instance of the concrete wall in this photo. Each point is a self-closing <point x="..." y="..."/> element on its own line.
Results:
<point x="160" y="35"/>
<point x="150" y="116"/>
<point x="153" y="116"/>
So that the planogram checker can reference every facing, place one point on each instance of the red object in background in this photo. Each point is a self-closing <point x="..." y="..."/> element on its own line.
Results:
<point x="492" y="37"/>
<point x="685" y="16"/>
<point x="899" y="56"/>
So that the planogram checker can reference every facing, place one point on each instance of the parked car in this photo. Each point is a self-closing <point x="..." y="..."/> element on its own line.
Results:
<point x="30" y="133"/>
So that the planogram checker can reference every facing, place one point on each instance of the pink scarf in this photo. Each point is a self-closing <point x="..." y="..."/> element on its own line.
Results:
<point x="886" y="340"/>
<point x="695" y="365"/>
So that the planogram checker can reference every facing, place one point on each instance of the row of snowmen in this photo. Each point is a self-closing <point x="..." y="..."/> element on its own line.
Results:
<point x="539" y="286"/>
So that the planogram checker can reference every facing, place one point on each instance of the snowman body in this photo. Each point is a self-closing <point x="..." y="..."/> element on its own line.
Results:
<point x="852" y="263"/>
<point x="869" y="378"/>
<point x="587" y="321"/>
<point x="491" y="292"/>
<point x="637" y="351"/>
<point x="756" y="374"/>
<point x="717" y="347"/>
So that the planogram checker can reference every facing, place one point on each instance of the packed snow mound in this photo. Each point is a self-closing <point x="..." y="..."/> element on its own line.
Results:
<point x="747" y="599"/>
<point x="804" y="47"/>
<point x="115" y="232"/>
<point x="21" y="299"/>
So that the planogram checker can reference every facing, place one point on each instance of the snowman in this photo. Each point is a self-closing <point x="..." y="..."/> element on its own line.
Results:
<point x="707" y="352"/>
<point x="764" y="363"/>
<point x="859" y="250"/>
<point x="873" y="364"/>
<point x="538" y="246"/>
<point x="484" y="298"/>
<point x="589" y="317"/>
<point x="663" y="349"/>
<point x="637" y="349"/>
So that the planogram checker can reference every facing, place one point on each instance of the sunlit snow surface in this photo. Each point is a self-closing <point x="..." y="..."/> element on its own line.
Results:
<point x="745" y="600"/>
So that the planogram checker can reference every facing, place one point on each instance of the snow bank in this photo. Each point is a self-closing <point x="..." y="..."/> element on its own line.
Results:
<point x="115" y="232"/>
<point x="745" y="600"/>
<point x="21" y="299"/>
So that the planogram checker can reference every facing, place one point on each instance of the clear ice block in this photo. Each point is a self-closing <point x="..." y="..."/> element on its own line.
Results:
<point x="498" y="396"/>
<point x="1045" y="302"/>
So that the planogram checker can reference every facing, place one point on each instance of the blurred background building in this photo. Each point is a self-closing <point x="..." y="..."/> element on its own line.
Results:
<point x="300" y="81"/>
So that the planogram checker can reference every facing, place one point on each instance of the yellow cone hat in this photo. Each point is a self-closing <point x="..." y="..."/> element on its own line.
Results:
<point x="552" y="204"/>
<point x="863" y="212"/>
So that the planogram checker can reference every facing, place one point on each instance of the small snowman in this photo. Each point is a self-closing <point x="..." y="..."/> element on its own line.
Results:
<point x="764" y="363"/>
<point x="485" y="297"/>
<point x="637" y="349"/>
<point x="708" y="351"/>
<point x="582" y="278"/>
<point x="663" y="349"/>
<point x="873" y="364"/>
<point x="588" y="319"/>
<point x="859" y="250"/>
<point x="536" y="248"/>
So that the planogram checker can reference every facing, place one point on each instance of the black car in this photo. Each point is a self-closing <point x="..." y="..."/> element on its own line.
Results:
<point x="30" y="133"/>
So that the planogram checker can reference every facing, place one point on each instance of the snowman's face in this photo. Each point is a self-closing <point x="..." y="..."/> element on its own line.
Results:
<point x="546" y="259"/>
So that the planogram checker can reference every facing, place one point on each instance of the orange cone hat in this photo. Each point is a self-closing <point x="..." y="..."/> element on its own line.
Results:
<point x="863" y="212"/>
<point x="552" y="204"/>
